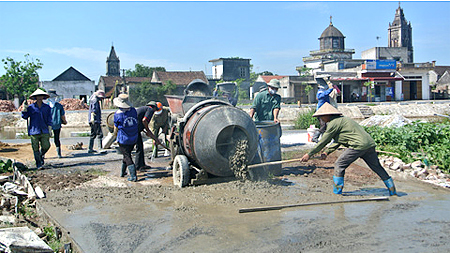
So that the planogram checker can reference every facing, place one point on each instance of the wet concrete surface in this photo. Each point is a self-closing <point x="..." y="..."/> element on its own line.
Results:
<point x="154" y="216"/>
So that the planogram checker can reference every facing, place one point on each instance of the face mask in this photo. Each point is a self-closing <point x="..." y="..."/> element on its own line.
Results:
<point x="271" y="91"/>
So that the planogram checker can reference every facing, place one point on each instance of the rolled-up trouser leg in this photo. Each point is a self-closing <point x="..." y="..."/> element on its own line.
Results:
<point x="345" y="159"/>
<point x="371" y="158"/>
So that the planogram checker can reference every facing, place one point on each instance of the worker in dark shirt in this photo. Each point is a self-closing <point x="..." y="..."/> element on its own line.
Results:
<point x="40" y="125"/>
<point x="144" y="115"/>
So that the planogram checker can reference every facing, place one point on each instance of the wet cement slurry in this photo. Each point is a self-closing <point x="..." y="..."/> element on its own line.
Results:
<point x="161" y="218"/>
<point x="114" y="215"/>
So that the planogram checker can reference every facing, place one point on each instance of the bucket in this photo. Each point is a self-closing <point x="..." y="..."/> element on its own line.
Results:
<point x="269" y="149"/>
<point x="311" y="131"/>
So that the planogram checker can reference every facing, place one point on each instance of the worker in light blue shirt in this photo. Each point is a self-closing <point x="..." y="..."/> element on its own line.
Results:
<point x="58" y="118"/>
<point x="39" y="126"/>
<point x="126" y="128"/>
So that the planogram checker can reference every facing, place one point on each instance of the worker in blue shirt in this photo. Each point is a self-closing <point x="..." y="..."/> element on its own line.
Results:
<point x="323" y="96"/>
<point x="126" y="128"/>
<point x="39" y="126"/>
<point x="58" y="118"/>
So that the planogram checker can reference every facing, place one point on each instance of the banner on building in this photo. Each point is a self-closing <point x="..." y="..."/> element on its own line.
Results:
<point x="381" y="64"/>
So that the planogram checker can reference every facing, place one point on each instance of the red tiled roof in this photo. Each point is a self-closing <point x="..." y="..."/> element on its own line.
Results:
<point x="181" y="78"/>
<point x="268" y="78"/>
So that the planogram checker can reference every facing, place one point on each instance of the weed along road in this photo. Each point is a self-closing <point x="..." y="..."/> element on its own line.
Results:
<point x="109" y="214"/>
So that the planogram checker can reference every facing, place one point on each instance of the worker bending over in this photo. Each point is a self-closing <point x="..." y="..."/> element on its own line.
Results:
<point x="345" y="131"/>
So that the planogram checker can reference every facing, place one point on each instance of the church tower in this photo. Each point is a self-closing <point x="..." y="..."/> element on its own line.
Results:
<point x="112" y="64"/>
<point x="400" y="33"/>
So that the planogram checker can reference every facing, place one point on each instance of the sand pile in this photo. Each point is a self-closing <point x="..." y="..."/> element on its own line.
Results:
<point x="395" y="120"/>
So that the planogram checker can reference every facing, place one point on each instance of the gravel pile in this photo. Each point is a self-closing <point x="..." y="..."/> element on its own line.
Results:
<point x="73" y="104"/>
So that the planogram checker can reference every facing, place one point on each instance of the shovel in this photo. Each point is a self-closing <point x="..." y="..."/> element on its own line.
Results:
<point x="275" y="162"/>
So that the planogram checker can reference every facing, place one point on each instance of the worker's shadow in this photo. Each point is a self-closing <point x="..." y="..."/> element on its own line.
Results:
<point x="154" y="173"/>
<point x="371" y="191"/>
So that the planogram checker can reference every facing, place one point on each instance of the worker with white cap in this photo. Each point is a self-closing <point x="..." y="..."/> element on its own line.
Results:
<point x="40" y="125"/>
<point x="95" y="119"/>
<point x="347" y="132"/>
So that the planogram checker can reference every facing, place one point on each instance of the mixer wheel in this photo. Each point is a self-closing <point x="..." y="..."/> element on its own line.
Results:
<point x="181" y="173"/>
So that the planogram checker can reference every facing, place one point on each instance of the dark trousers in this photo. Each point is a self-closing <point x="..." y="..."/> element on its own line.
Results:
<point x="126" y="151"/>
<point x="369" y="156"/>
<point x="140" y="159"/>
<point x="96" y="131"/>
<point x="56" y="134"/>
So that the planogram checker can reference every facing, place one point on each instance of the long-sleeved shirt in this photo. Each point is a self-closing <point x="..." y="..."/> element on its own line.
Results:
<point x="94" y="107"/>
<point x="40" y="118"/>
<point x="323" y="96"/>
<point x="344" y="131"/>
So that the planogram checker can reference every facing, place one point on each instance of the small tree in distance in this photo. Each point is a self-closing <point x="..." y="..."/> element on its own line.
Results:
<point x="21" y="78"/>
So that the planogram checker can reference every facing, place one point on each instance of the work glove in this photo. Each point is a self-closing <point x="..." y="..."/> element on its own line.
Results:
<point x="50" y="131"/>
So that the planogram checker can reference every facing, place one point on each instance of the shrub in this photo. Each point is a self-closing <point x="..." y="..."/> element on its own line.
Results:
<point x="305" y="119"/>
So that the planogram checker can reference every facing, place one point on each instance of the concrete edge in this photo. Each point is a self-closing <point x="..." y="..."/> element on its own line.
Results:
<point x="76" y="248"/>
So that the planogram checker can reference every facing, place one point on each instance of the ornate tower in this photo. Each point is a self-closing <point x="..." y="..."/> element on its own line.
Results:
<point x="112" y="64"/>
<point x="331" y="38"/>
<point x="400" y="33"/>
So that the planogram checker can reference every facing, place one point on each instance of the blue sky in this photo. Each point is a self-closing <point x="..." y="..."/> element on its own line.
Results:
<point x="183" y="36"/>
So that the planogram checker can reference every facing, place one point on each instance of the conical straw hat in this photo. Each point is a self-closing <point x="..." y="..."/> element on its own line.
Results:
<point x="327" y="109"/>
<point x="39" y="92"/>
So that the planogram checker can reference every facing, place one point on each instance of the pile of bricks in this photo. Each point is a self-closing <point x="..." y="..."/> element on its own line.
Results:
<point x="7" y="106"/>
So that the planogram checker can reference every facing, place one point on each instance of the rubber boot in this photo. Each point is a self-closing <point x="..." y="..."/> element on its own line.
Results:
<point x="132" y="170"/>
<point x="58" y="151"/>
<point x="338" y="185"/>
<point x="91" y="146"/>
<point x="124" y="170"/>
<point x="99" y="144"/>
<point x="391" y="187"/>
<point x="38" y="159"/>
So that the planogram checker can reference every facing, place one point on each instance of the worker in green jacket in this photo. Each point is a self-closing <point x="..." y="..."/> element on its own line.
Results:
<point x="345" y="131"/>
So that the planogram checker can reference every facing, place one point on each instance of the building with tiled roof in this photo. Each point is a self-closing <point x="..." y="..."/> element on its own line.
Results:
<point x="180" y="78"/>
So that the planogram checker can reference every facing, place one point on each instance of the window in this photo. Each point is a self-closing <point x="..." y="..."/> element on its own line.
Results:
<point x="242" y="72"/>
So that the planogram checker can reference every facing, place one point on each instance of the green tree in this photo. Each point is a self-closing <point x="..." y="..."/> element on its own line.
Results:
<point x="143" y="71"/>
<point x="21" y="77"/>
<point x="370" y="90"/>
<point x="304" y="71"/>
<point x="308" y="88"/>
<point x="143" y="93"/>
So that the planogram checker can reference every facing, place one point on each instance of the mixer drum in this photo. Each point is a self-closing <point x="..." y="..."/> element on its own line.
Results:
<point x="210" y="135"/>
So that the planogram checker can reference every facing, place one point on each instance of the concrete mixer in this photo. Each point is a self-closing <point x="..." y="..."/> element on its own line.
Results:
<point x="203" y="132"/>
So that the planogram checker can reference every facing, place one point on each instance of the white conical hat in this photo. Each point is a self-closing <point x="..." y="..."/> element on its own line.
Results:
<point x="327" y="109"/>
<point x="39" y="92"/>
<point x="122" y="101"/>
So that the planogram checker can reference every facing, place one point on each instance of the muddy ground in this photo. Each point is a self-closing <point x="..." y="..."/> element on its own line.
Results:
<point x="106" y="213"/>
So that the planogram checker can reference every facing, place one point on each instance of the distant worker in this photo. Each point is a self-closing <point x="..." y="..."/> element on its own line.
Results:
<point x="334" y="93"/>
<point x="144" y="115"/>
<point x="126" y="128"/>
<point x="267" y="104"/>
<point x="58" y="118"/>
<point x="40" y="125"/>
<point x="345" y="131"/>
<point x="159" y="122"/>
<point x="95" y="119"/>
<point x="323" y="96"/>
